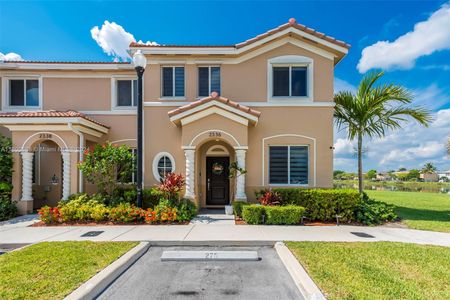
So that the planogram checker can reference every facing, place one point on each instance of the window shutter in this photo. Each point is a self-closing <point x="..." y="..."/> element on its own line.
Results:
<point x="203" y="84"/>
<point x="179" y="82"/>
<point x="215" y="79"/>
<point x="278" y="165"/>
<point x="167" y="82"/>
<point x="298" y="165"/>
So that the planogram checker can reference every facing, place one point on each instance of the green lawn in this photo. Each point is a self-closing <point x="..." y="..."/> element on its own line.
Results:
<point x="376" y="270"/>
<point x="53" y="270"/>
<point x="426" y="211"/>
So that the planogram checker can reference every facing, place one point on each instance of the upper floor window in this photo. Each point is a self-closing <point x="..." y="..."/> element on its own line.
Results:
<point x="288" y="165"/>
<point x="173" y="81"/>
<point x="208" y="81"/>
<point x="126" y="93"/>
<point x="23" y="93"/>
<point x="290" y="77"/>
<point x="289" y="81"/>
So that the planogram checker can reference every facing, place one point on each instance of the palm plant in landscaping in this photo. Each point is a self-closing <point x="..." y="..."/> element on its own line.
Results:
<point x="429" y="168"/>
<point x="374" y="109"/>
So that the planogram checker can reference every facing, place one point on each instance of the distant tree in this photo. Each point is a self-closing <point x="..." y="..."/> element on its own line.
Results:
<point x="429" y="168"/>
<point x="372" y="174"/>
<point x="413" y="174"/>
<point x="402" y="169"/>
<point x="373" y="110"/>
<point x="337" y="174"/>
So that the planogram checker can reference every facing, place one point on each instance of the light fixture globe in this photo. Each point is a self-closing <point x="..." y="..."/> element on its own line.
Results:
<point x="139" y="59"/>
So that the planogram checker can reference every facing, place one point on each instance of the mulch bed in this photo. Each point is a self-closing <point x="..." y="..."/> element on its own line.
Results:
<point x="105" y="223"/>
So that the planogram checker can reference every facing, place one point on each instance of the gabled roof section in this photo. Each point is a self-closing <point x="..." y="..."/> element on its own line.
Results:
<point x="63" y="119"/>
<point x="214" y="104"/>
<point x="339" y="48"/>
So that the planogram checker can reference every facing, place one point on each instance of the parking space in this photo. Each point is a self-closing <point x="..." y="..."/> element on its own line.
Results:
<point x="151" y="278"/>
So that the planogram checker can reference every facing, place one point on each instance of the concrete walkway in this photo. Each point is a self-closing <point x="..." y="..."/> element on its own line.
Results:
<point x="18" y="232"/>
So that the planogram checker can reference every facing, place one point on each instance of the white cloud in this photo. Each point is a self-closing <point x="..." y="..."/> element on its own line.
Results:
<point x="342" y="85"/>
<point x="344" y="146"/>
<point x="11" y="56"/>
<point x="114" y="40"/>
<point x="431" y="97"/>
<point x="410" y="146"/>
<point x="427" y="37"/>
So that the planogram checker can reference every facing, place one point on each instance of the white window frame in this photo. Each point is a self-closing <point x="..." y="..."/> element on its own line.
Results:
<point x="173" y="81"/>
<point x="156" y="161"/>
<point x="291" y="61"/>
<point x="209" y="79"/>
<point x="289" y="165"/>
<point x="6" y="93"/>
<point x="114" y="95"/>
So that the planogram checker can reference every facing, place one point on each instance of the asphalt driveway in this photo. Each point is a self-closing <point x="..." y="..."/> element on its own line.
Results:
<point x="150" y="278"/>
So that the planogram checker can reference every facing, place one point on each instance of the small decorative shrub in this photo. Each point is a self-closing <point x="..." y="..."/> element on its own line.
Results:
<point x="99" y="213"/>
<point x="107" y="165"/>
<point x="237" y="207"/>
<point x="283" y="215"/>
<point x="186" y="210"/>
<point x="372" y="212"/>
<point x="8" y="208"/>
<point x="323" y="204"/>
<point x="165" y="212"/>
<point x="253" y="214"/>
<point x="49" y="215"/>
<point x="126" y="213"/>
<point x="171" y="186"/>
<point x="270" y="197"/>
<point x="150" y="216"/>
<point x="151" y="197"/>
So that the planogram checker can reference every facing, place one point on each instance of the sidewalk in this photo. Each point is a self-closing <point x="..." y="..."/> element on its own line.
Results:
<point x="18" y="232"/>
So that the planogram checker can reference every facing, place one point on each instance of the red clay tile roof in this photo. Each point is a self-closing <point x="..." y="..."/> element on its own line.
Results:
<point x="49" y="114"/>
<point x="292" y="23"/>
<point x="214" y="97"/>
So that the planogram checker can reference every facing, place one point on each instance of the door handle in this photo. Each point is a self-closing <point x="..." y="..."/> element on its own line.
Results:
<point x="208" y="183"/>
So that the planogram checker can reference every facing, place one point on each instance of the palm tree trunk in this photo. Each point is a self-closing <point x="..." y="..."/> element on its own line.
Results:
<point x="360" y="175"/>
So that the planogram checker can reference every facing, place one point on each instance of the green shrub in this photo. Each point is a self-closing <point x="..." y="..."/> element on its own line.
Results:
<point x="186" y="210"/>
<point x="372" y="212"/>
<point x="99" y="213"/>
<point x="323" y="204"/>
<point x="253" y="214"/>
<point x="151" y="197"/>
<point x="49" y="215"/>
<point x="126" y="213"/>
<point x="237" y="207"/>
<point x="283" y="215"/>
<point x="8" y="208"/>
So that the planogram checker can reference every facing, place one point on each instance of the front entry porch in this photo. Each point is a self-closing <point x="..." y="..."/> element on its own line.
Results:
<point x="215" y="137"/>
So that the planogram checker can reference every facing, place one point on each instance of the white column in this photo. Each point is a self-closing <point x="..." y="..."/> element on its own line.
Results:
<point x="190" y="172"/>
<point x="240" y="180"/>
<point x="27" y="176"/>
<point x="66" y="175"/>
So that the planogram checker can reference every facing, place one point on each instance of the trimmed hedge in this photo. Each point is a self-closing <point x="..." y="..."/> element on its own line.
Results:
<point x="237" y="207"/>
<point x="323" y="204"/>
<point x="253" y="214"/>
<point x="284" y="215"/>
<point x="272" y="215"/>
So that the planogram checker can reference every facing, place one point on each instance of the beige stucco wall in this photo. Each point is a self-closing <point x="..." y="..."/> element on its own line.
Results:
<point x="77" y="93"/>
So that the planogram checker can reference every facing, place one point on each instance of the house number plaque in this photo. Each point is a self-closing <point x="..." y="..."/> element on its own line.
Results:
<point x="215" y="134"/>
<point x="209" y="255"/>
<point x="45" y="136"/>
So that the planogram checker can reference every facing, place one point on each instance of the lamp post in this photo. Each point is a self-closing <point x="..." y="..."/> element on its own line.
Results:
<point x="139" y="62"/>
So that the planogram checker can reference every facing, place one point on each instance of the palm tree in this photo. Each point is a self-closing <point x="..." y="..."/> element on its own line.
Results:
<point x="373" y="110"/>
<point x="428" y="168"/>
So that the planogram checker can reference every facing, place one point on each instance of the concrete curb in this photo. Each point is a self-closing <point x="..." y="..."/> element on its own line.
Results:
<point x="304" y="283"/>
<point x="99" y="282"/>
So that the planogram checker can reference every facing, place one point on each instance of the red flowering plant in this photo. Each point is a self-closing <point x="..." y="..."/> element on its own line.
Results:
<point x="171" y="187"/>
<point x="49" y="215"/>
<point x="269" y="198"/>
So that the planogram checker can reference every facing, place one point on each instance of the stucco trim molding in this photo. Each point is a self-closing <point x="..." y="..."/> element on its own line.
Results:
<point x="289" y="135"/>
<point x="156" y="160"/>
<point x="59" y="141"/>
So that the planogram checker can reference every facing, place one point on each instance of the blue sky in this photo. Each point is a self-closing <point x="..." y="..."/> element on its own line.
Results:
<point x="405" y="38"/>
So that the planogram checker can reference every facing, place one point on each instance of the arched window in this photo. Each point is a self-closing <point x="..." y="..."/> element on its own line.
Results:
<point x="163" y="163"/>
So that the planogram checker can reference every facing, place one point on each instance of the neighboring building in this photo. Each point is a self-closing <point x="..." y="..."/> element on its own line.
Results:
<point x="384" y="177"/>
<point x="429" y="177"/>
<point x="266" y="103"/>
<point x="443" y="174"/>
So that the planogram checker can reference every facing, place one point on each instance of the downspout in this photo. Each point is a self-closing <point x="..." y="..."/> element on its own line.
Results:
<point x="81" y="157"/>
